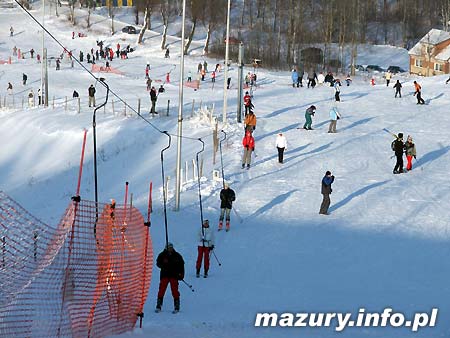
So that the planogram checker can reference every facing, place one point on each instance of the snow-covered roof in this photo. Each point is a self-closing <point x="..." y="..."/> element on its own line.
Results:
<point x="444" y="55"/>
<point x="433" y="37"/>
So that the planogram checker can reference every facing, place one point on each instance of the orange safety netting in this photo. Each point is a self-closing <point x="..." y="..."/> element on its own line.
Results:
<point x="103" y="69"/>
<point x="88" y="277"/>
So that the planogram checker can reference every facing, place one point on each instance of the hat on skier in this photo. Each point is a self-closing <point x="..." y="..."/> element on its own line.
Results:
<point x="400" y="135"/>
<point x="206" y="222"/>
<point x="169" y="246"/>
<point x="328" y="173"/>
<point x="313" y="107"/>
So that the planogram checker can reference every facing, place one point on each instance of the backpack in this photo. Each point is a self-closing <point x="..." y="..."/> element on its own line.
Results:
<point x="393" y="145"/>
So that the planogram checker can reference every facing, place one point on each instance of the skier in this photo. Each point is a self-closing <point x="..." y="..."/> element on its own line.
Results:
<point x="39" y="96"/>
<point x="281" y="144"/>
<point x="326" y="190"/>
<point x="205" y="66"/>
<point x="247" y="79"/>
<point x="309" y="112"/>
<point x="199" y="67"/>
<point x="334" y="116"/>
<point x="149" y="84"/>
<point x="58" y="64"/>
<point x="337" y="90"/>
<point x="397" y="146"/>
<point x="14" y="51"/>
<point x="398" y="87"/>
<point x="153" y="98"/>
<point x="348" y="80"/>
<point x="312" y="77"/>
<point x="203" y="73"/>
<point x="189" y="76"/>
<point x="227" y="197"/>
<point x="91" y="92"/>
<point x="147" y="69"/>
<point x="11" y="31"/>
<point x="250" y="122"/>
<point x="32" y="53"/>
<point x="88" y="57"/>
<point x="213" y="76"/>
<point x="418" y="93"/>
<point x="171" y="264"/>
<point x="167" y="55"/>
<point x="31" y="99"/>
<point x="249" y="145"/>
<point x="388" y="77"/>
<point x="205" y="245"/>
<point x="247" y="103"/>
<point x="161" y="89"/>
<point x="228" y="83"/>
<point x="320" y="78"/>
<point x="168" y="77"/>
<point x="24" y="79"/>
<point x="410" y="151"/>
<point x="81" y="56"/>
<point x="217" y="67"/>
<point x="75" y="94"/>
<point x="9" y="89"/>
<point x="294" y="77"/>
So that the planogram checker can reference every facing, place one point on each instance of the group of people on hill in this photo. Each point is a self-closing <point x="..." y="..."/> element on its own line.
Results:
<point x="400" y="148"/>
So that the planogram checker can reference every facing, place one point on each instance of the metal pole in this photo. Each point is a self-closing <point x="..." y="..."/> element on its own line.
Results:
<point x="224" y="116"/>
<point x="240" y="78"/>
<point x="180" y="115"/>
<point x="45" y="96"/>
<point x="44" y="103"/>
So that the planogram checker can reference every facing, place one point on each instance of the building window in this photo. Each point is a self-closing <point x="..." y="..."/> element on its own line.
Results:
<point x="439" y="67"/>
<point x="418" y="63"/>
<point x="429" y="50"/>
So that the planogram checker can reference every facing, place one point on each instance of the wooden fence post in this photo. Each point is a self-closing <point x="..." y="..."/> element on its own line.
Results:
<point x="53" y="103"/>
<point x="112" y="103"/>
<point x="79" y="105"/>
<point x="215" y="131"/>
<point x="168" y="107"/>
<point x="201" y="167"/>
<point x="167" y="186"/>
<point x="186" y="169"/>
<point x="65" y="104"/>
<point x="22" y="102"/>
<point x="194" y="170"/>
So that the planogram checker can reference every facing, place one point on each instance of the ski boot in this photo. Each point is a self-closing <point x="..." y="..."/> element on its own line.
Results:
<point x="248" y="166"/>
<point x="197" y="273"/>
<point x="220" y="225"/>
<point x="227" y="226"/>
<point x="176" y="305"/>
<point x="205" y="274"/>
<point x="159" y="303"/>
<point x="243" y="165"/>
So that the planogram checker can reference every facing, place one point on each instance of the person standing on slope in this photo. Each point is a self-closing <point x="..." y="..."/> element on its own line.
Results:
<point x="250" y="121"/>
<point x="388" y="77"/>
<point x="247" y="103"/>
<point x="410" y="151"/>
<point x="418" y="93"/>
<point x="308" y="116"/>
<point x="334" y="116"/>
<point x="227" y="197"/>
<point x="337" y="90"/>
<point x="171" y="264"/>
<point x="281" y="144"/>
<point x="398" y="148"/>
<point x="205" y="245"/>
<point x="326" y="190"/>
<point x="249" y="145"/>
<point x="398" y="88"/>
<point x="294" y="77"/>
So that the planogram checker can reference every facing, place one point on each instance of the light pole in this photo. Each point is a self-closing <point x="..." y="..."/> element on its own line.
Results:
<point x="226" y="65"/>
<point x="180" y="116"/>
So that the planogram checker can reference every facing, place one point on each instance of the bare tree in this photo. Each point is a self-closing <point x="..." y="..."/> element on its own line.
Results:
<point x="147" y="7"/>
<point x="195" y="7"/>
<point x="213" y="14"/>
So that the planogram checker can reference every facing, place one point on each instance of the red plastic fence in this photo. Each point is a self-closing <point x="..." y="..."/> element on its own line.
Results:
<point x="88" y="277"/>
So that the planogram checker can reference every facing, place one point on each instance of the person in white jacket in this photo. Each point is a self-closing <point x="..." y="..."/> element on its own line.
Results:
<point x="334" y="116"/>
<point x="281" y="145"/>
<point x="205" y="245"/>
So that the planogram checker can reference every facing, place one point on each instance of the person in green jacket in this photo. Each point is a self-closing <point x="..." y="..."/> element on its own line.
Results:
<point x="308" y="116"/>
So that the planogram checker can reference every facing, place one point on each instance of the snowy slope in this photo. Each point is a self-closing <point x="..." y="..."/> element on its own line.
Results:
<point x="384" y="244"/>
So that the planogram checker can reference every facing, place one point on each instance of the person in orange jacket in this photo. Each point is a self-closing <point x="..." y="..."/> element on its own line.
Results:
<point x="249" y="145"/>
<point x="250" y="122"/>
<point x="418" y="93"/>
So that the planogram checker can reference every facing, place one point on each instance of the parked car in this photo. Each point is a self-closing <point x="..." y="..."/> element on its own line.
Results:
<point x="129" y="30"/>
<point x="374" y="68"/>
<point x="396" y="69"/>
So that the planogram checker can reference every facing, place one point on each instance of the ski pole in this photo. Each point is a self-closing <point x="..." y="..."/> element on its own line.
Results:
<point x="188" y="285"/>
<point x="421" y="167"/>
<point x="214" y="253"/>
<point x="237" y="215"/>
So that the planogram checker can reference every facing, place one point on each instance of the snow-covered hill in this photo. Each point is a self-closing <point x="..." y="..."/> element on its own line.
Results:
<point x="385" y="243"/>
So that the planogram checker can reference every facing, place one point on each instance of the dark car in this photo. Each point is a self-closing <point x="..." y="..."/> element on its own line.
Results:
<point x="396" y="69"/>
<point x="374" y="68"/>
<point x="129" y="30"/>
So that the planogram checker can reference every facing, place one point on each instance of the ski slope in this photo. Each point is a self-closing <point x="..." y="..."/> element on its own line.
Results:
<point x="384" y="244"/>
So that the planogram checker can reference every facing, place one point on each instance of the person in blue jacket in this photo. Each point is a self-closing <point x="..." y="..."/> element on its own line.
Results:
<point x="327" y="180"/>
<point x="294" y="77"/>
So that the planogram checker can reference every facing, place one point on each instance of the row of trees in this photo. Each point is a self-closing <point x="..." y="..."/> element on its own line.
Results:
<point x="279" y="31"/>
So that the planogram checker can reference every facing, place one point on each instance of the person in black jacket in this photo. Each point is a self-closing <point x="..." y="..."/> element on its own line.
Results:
<point x="326" y="190"/>
<point x="171" y="264"/>
<point x="398" y="147"/>
<point x="227" y="197"/>
<point x="153" y="98"/>
<point x="398" y="88"/>
<point x="91" y="92"/>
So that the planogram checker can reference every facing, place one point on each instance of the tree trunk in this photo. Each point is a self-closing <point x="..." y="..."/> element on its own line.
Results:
<point x="191" y="36"/>
<point x="208" y="38"/>
<point x="136" y="18"/>
<point x="164" y="35"/>
<point x="88" y="20"/>
<point x="144" y="27"/>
